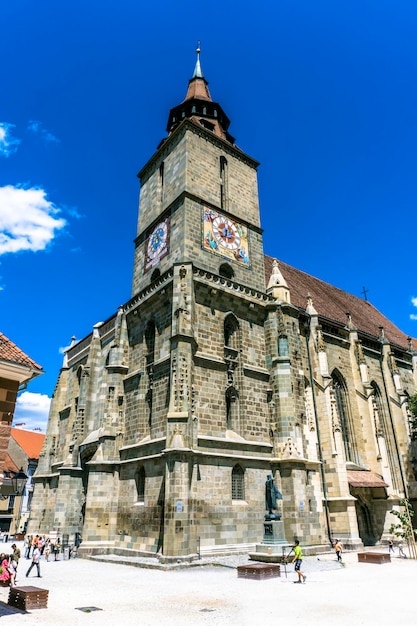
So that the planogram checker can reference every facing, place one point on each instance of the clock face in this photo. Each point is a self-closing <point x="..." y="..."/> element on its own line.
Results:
<point x="225" y="237"/>
<point x="157" y="240"/>
<point x="226" y="233"/>
<point x="157" y="245"/>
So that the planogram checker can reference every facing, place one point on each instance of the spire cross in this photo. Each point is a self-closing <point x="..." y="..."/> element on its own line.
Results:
<point x="364" y="292"/>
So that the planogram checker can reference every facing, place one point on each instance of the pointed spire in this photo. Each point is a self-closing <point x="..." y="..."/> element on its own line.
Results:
<point x="198" y="72"/>
<point x="199" y="107"/>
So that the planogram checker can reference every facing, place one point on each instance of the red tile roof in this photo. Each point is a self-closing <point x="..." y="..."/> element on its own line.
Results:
<point x="11" y="353"/>
<point x="29" y="441"/>
<point x="9" y="465"/>
<point x="365" y="479"/>
<point x="333" y="303"/>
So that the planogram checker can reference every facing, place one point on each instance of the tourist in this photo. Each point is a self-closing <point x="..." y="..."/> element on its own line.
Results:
<point x="298" y="558"/>
<point x="4" y="569"/>
<point x="57" y="549"/>
<point x="36" y="554"/>
<point x="338" y="548"/>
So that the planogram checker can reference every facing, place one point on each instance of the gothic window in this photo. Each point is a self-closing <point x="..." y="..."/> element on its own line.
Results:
<point x="231" y="332"/>
<point x="161" y="182"/>
<point x="155" y="274"/>
<point x="226" y="271"/>
<point x="231" y="408"/>
<point x="346" y="424"/>
<point x="384" y="429"/>
<point x="238" y="483"/>
<point x="140" y="479"/>
<point x="283" y="349"/>
<point x="150" y="343"/>
<point x="110" y="394"/>
<point x="223" y="181"/>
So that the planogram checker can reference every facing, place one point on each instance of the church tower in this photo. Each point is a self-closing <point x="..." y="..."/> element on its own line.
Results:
<point x="199" y="197"/>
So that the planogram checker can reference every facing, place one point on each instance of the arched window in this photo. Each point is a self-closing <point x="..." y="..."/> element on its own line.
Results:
<point x="140" y="479"/>
<point x="345" y="418"/>
<point x="231" y="332"/>
<point x="238" y="483"/>
<point x="161" y="182"/>
<point x="226" y="271"/>
<point x="155" y="274"/>
<point x="150" y="343"/>
<point x="223" y="182"/>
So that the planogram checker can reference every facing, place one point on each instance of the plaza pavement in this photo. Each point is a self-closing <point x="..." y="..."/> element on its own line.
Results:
<point x="352" y="594"/>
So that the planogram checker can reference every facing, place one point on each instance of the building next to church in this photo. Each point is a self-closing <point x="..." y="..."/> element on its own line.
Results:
<point x="224" y="366"/>
<point x="17" y="369"/>
<point x="22" y="454"/>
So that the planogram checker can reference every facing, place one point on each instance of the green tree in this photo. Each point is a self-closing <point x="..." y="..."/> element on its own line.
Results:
<point x="403" y="529"/>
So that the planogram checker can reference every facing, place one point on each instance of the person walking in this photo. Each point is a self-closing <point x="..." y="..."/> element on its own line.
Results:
<point x="390" y="546"/>
<point x="298" y="559"/>
<point x="401" y="550"/>
<point x="338" y="548"/>
<point x="36" y="555"/>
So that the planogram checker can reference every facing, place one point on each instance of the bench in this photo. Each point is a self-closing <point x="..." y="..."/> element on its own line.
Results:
<point x="28" y="598"/>
<point x="258" y="571"/>
<point x="374" y="557"/>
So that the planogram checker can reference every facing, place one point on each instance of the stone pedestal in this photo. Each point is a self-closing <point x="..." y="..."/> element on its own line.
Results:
<point x="274" y="547"/>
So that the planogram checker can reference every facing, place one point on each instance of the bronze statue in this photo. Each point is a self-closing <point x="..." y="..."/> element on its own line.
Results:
<point x="272" y="494"/>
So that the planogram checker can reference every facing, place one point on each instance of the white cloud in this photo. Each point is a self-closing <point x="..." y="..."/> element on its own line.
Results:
<point x="414" y="301"/>
<point x="32" y="411"/>
<point x="8" y="144"/>
<point x="36" y="127"/>
<point x="28" y="221"/>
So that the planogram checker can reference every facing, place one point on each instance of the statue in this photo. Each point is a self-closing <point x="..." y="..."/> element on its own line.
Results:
<point x="272" y="494"/>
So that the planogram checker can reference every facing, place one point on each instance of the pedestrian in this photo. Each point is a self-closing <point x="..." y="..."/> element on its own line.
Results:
<point x="47" y="549"/>
<point x="16" y="553"/>
<point x="298" y="559"/>
<point x="36" y="555"/>
<point x="338" y="548"/>
<point x="12" y="570"/>
<point x="28" y="545"/>
<point x="401" y="550"/>
<point x="57" y="548"/>
<point x="390" y="546"/>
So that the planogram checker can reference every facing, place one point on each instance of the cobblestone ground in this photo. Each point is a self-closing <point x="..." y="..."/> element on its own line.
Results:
<point x="94" y="593"/>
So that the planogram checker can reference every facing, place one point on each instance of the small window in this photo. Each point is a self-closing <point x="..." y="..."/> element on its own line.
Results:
<point x="140" y="484"/>
<point x="155" y="274"/>
<point x="238" y="483"/>
<point x="226" y="271"/>
<point x="207" y="125"/>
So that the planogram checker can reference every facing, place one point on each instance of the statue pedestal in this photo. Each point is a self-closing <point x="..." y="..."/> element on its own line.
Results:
<point x="274" y="547"/>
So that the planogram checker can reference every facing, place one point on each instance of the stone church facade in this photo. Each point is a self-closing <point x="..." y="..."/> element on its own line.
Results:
<point x="225" y="366"/>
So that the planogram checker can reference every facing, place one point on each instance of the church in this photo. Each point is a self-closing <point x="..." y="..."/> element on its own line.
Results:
<point x="224" y="367"/>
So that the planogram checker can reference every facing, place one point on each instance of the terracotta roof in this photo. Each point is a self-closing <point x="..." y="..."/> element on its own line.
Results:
<point x="11" y="353"/>
<point x="357" y="478"/>
<point x="333" y="303"/>
<point x="9" y="465"/>
<point x="29" y="441"/>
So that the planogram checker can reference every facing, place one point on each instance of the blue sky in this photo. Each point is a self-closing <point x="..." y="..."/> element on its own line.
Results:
<point x="323" y="94"/>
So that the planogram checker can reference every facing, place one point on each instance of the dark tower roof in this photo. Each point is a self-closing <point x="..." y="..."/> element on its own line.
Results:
<point x="200" y="108"/>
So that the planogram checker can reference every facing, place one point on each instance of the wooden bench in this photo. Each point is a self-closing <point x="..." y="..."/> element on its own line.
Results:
<point x="28" y="598"/>
<point x="258" y="571"/>
<point x="374" y="557"/>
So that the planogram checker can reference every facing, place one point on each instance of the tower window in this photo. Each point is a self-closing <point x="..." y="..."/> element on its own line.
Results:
<point x="226" y="271"/>
<point x="238" y="483"/>
<point x="207" y="125"/>
<point x="140" y="479"/>
<point x="223" y="182"/>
